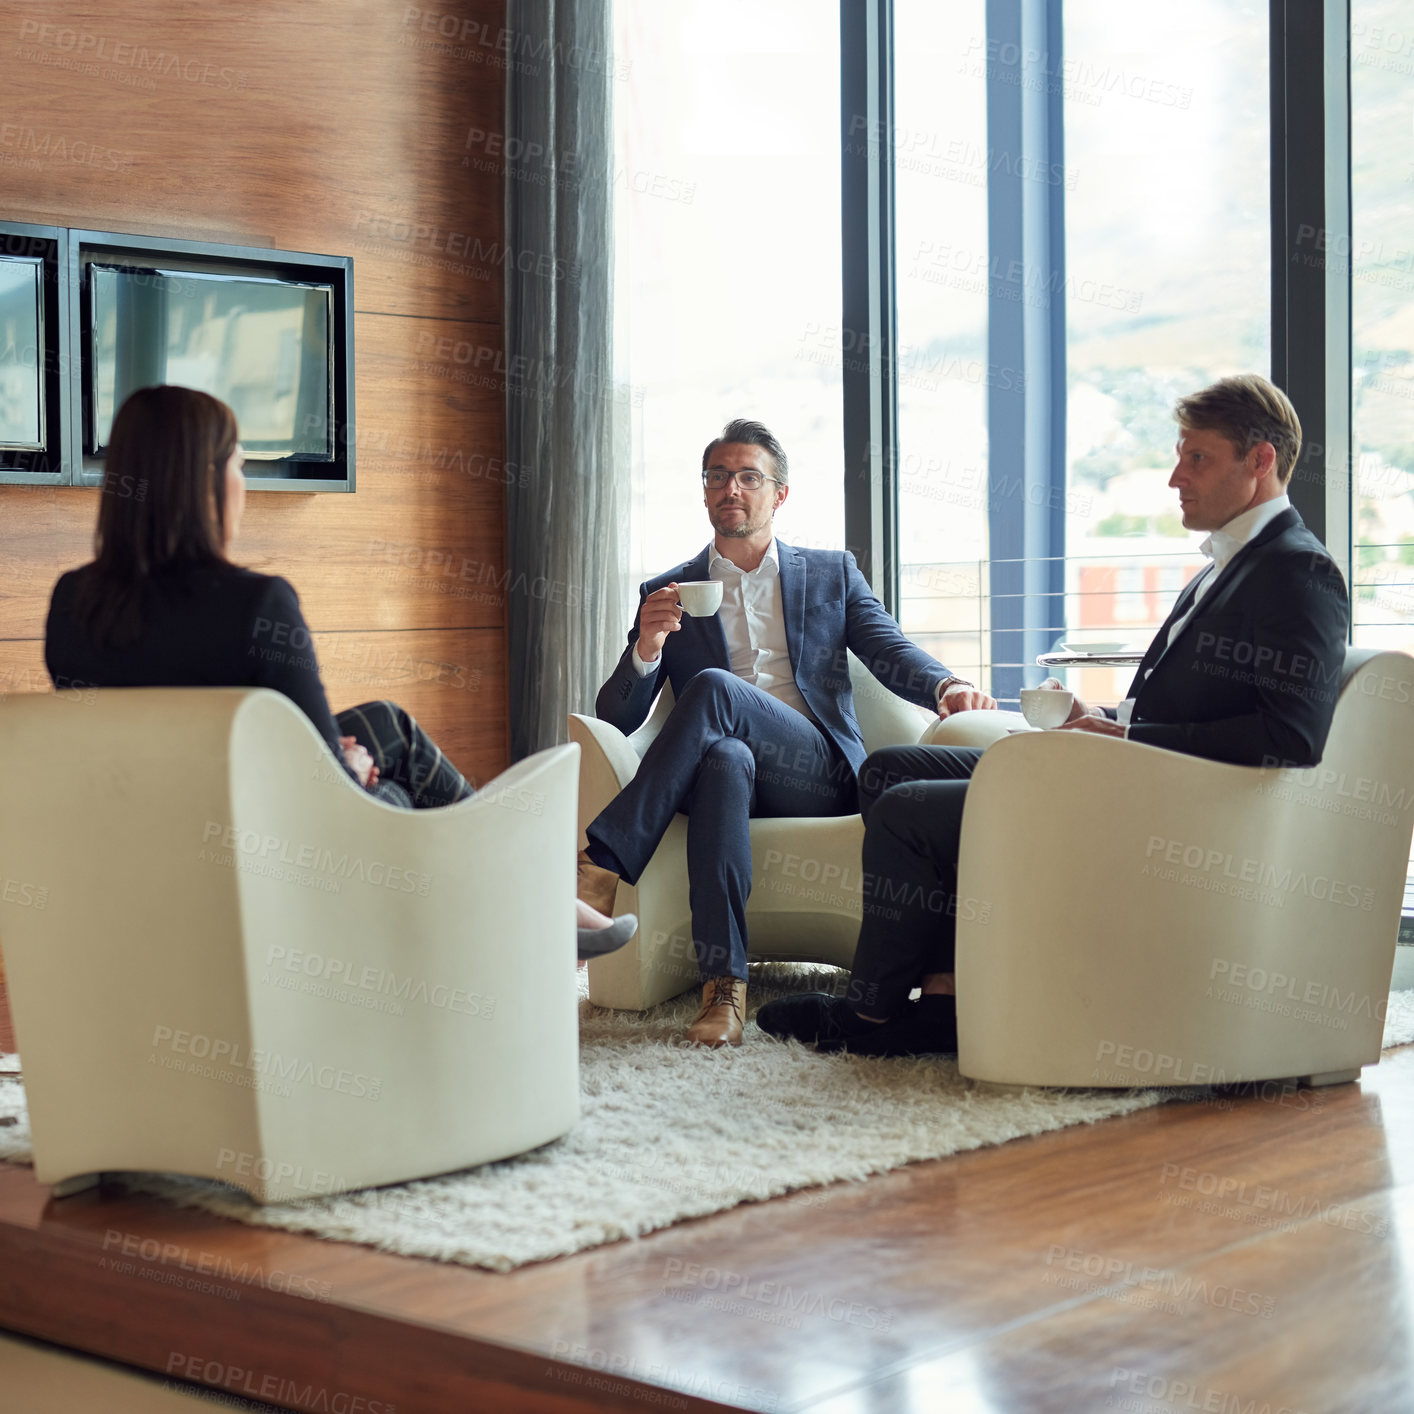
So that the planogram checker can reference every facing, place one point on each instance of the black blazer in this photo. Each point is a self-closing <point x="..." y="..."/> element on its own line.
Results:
<point x="220" y="627"/>
<point x="828" y="609"/>
<point x="1254" y="675"/>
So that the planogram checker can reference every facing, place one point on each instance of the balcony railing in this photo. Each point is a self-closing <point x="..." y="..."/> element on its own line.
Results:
<point x="1109" y="602"/>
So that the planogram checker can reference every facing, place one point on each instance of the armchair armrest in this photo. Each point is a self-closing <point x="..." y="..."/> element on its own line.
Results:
<point x="978" y="728"/>
<point x="1110" y="892"/>
<point x="607" y="763"/>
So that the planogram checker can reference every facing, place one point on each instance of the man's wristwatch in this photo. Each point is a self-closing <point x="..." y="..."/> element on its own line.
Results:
<point x="950" y="682"/>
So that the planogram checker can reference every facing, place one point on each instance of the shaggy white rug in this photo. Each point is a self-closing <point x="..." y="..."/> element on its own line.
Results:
<point x="773" y="1118"/>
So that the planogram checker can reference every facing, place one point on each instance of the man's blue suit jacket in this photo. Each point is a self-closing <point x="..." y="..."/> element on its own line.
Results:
<point x="829" y="608"/>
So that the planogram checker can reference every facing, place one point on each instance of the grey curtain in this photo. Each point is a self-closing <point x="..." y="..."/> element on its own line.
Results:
<point x="566" y="433"/>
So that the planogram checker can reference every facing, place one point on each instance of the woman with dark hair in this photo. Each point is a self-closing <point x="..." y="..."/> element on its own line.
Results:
<point x="162" y="605"/>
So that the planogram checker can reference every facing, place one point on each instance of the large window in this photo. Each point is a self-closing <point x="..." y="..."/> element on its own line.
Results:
<point x="1151" y="147"/>
<point x="1077" y="206"/>
<point x="1382" y="319"/>
<point x="939" y="146"/>
<point x="1167" y="286"/>
<point x="1082" y="209"/>
<point x="1381" y="261"/>
<point x="727" y="225"/>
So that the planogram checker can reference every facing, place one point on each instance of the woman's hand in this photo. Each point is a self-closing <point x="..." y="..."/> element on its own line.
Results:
<point x="358" y="760"/>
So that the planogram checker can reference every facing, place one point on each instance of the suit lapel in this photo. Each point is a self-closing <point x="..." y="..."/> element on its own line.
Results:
<point x="793" y="599"/>
<point x="713" y="635"/>
<point x="1158" y="645"/>
<point x="1236" y="569"/>
<point x="1241" y="562"/>
<point x="1181" y="606"/>
<point x="1228" y="580"/>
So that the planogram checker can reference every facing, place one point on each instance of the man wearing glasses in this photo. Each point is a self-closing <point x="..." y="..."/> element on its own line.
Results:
<point x="763" y="722"/>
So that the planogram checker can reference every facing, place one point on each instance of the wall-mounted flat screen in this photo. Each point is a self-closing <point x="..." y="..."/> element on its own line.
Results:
<point x="21" y="353"/>
<point x="262" y="345"/>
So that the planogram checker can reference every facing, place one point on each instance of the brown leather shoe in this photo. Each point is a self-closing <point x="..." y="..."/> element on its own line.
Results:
<point x="723" y="1011"/>
<point x="597" y="887"/>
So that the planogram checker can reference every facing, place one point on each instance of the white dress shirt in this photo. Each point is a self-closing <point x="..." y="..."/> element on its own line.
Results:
<point x="754" y="622"/>
<point x="1220" y="547"/>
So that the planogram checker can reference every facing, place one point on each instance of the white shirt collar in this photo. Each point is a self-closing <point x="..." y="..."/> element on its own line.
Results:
<point x="771" y="558"/>
<point x="1241" y="530"/>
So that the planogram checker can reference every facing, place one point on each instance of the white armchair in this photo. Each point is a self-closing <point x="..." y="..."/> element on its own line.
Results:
<point x="225" y="959"/>
<point x="805" y="902"/>
<point x="1156" y="919"/>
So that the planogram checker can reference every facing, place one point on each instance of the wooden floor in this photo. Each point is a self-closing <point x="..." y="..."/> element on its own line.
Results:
<point x="1239" y="1254"/>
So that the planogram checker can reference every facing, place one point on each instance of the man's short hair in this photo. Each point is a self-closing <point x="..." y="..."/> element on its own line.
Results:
<point x="1247" y="410"/>
<point x="753" y="434"/>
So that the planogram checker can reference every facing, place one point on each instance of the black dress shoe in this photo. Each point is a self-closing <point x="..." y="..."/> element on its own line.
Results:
<point x="595" y="942"/>
<point x="816" y="1018"/>
<point x="923" y="1028"/>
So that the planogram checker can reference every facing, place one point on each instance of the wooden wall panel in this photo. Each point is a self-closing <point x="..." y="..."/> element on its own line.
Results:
<point x="368" y="130"/>
<point x="43" y="532"/>
<point x="418" y="542"/>
<point x="422" y="541"/>
<point x="451" y="677"/>
<point x="324" y="126"/>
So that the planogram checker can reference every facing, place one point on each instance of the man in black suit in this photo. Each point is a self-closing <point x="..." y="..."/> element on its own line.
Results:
<point x="1246" y="669"/>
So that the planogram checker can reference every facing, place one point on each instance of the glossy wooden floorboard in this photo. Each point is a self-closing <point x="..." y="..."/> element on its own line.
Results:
<point x="1238" y="1253"/>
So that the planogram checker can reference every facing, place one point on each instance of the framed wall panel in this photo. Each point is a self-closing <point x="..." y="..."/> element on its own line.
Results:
<point x="268" y="331"/>
<point x="34" y="310"/>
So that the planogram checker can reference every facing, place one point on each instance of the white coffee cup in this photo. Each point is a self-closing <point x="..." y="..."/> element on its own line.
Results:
<point x="1046" y="707"/>
<point x="700" y="597"/>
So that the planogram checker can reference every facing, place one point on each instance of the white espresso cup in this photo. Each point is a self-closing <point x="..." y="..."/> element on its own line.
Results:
<point x="1046" y="707"/>
<point x="700" y="597"/>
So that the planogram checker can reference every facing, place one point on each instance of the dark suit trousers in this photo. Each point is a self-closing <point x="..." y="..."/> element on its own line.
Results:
<point x="912" y="799"/>
<point x="728" y="751"/>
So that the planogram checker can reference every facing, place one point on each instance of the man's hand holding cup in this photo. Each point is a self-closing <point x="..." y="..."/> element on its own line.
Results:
<point x="659" y="616"/>
<point x="1081" y="718"/>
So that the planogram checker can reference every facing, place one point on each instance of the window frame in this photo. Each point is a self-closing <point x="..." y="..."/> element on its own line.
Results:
<point x="1310" y="206"/>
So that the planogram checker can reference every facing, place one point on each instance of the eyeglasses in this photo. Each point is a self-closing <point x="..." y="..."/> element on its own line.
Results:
<point x="716" y="479"/>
